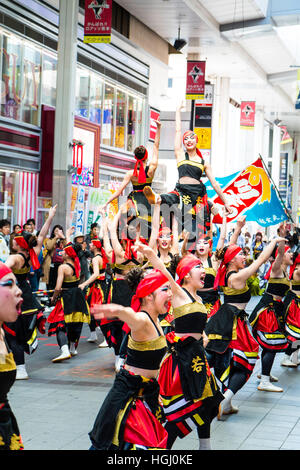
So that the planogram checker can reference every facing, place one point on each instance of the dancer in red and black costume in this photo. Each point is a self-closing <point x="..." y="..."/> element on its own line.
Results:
<point x="10" y="308"/>
<point x="130" y="416"/>
<point x="232" y="349"/>
<point x="190" y="191"/>
<point x="123" y="258"/>
<point x="71" y="309"/>
<point x="96" y="284"/>
<point x="188" y="388"/>
<point x="292" y="315"/>
<point x="267" y="319"/>
<point x="21" y="335"/>
<point x="203" y="251"/>
<point x="141" y="176"/>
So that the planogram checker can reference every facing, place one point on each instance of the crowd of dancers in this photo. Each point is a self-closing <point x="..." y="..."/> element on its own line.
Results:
<point x="171" y="308"/>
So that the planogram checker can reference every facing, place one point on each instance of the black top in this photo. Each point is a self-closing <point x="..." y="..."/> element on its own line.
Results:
<point x="22" y="274"/>
<point x="141" y="186"/>
<point x="72" y="281"/>
<point x="191" y="168"/>
<point x="191" y="317"/>
<point x="278" y="286"/>
<point x="146" y="354"/>
<point x="236" y="296"/>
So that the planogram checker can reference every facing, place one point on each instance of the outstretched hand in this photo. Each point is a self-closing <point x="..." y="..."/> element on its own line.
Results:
<point x="105" y="311"/>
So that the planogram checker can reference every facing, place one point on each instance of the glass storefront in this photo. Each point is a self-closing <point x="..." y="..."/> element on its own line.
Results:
<point x="7" y="194"/>
<point x="28" y="80"/>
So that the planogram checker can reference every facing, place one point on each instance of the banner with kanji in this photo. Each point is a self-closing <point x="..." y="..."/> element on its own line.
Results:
<point x="251" y="193"/>
<point x="195" y="79"/>
<point x="97" y="21"/>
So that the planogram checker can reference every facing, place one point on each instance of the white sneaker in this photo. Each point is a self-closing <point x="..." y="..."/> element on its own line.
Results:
<point x="21" y="372"/>
<point x="118" y="363"/>
<point x="65" y="354"/>
<point x="103" y="344"/>
<point x="287" y="362"/>
<point x="93" y="338"/>
<point x="73" y="350"/>
<point x="266" y="386"/>
<point x="272" y="378"/>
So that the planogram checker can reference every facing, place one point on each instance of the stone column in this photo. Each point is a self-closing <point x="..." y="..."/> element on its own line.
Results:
<point x="65" y="108"/>
<point x="295" y="191"/>
<point x="276" y="154"/>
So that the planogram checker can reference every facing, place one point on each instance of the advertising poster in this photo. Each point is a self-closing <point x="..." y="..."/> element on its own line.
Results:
<point x="195" y="80"/>
<point x="97" y="21"/>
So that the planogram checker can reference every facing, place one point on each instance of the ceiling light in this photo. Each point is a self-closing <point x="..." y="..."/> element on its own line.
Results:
<point x="179" y="43"/>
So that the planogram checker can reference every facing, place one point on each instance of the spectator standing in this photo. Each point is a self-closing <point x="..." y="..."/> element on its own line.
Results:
<point x="4" y="236"/>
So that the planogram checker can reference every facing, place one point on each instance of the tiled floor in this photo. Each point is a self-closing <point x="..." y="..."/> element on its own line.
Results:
<point x="57" y="406"/>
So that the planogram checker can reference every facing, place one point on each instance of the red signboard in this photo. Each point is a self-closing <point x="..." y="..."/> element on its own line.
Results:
<point x="247" y="114"/>
<point x="195" y="80"/>
<point x="154" y="116"/>
<point x="97" y="21"/>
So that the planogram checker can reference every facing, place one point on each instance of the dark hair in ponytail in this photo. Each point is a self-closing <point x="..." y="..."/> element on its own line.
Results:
<point x="139" y="152"/>
<point x="174" y="263"/>
<point x="134" y="277"/>
<point x="30" y="239"/>
<point x="220" y="253"/>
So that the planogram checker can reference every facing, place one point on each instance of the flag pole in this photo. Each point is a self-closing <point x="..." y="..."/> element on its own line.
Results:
<point x="276" y="189"/>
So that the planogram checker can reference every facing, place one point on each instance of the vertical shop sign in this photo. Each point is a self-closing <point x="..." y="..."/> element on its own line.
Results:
<point x="195" y="80"/>
<point x="79" y="220"/>
<point x="203" y="121"/>
<point x="97" y="21"/>
<point x="154" y="116"/>
<point x="247" y="115"/>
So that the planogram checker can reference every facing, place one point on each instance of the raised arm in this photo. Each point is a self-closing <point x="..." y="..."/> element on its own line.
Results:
<point x="45" y="229"/>
<point x="116" y="194"/>
<point x="113" y="230"/>
<point x="154" y="161"/>
<point x="245" y="273"/>
<point x="175" y="244"/>
<point x="237" y="229"/>
<point x="179" y="152"/>
<point x="223" y="231"/>
<point x="276" y="268"/>
<point x="155" y="227"/>
<point x="93" y="277"/>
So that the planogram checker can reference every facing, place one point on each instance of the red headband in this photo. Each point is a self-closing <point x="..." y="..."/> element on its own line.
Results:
<point x="141" y="174"/>
<point x="4" y="270"/>
<point x="185" y="265"/>
<point x="231" y="252"/>
<point x="148" y="285"/>
<point x="98" y="245"/>
<point x="20" y="240"/>
<point x="268" y="273"/>
<point x="69" y="250"/>
<point x="293" y="267"/>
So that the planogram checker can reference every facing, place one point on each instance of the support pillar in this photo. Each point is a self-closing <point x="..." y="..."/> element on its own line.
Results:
<point x="295" y="191"/>
<point x="220" y="118"/>
<point x="276" y="154"/>
<point x="65" y="108"/>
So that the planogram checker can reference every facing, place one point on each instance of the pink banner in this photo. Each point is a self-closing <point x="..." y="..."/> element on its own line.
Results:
<point x="97" y="21"/>
<point x="195" y="80"/>
<point x="247" y="114"/>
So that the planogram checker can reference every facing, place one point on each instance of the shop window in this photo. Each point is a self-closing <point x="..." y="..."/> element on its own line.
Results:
<point x="120" y="120"/>
<point x="95" y="102"/>
<point x="139" y="122"/>
<point x="108" y="115"/>
<point x="7" y="195"/>
<point x="49" y="71"/>
<point x="11" y="80"/>
<point x="131" y="123"/>
<point x="31" y="85"/>
<point x="82" y="93"/>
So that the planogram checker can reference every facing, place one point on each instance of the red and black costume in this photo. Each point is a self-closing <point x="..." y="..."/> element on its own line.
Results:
<point x="130" y="417"/>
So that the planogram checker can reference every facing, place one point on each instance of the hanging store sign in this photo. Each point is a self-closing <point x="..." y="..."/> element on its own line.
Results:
<point x="285" y="137"/>
<point x="97" y="21"/>
<point x="195" y="80"/>
<point x="154" y="116"/>
<point x="247" y="115"/>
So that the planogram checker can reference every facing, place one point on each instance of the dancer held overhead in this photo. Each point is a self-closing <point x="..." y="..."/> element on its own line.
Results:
<point x="142" y="175"/>
<point x="129" y="418"/>
<point x="189" y="192"/>
<point x="232" y="349"/>
<point x="10" y="307"/>
<point x="189" y="391"/>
